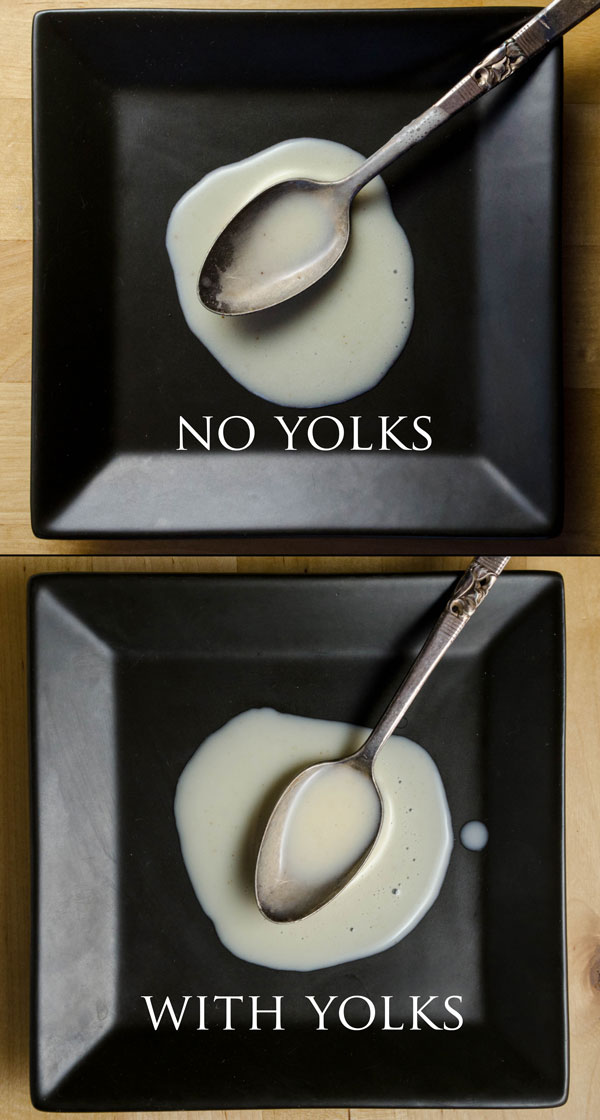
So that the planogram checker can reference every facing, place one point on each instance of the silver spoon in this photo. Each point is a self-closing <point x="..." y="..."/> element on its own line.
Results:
<point x="236" y="279"/>
<point x="284" y="898"/>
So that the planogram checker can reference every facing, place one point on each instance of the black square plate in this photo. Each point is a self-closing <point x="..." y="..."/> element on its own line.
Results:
<point x="131" y="109"/>
<point x="129" y="675"/>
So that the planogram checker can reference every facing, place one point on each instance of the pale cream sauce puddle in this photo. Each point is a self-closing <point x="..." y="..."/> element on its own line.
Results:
<point x="223" y="798"/>
<point x="335" y="340"/>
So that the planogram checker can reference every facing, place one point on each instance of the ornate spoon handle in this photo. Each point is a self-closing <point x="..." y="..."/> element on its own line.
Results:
<point x="470" y="591"/>
<point x="539" y="32"/>
<point x="534" y="36"/>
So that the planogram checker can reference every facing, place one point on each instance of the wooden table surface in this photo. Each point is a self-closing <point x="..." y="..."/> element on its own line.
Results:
<point x="582" y="579"/>
<point x="581" y="292"/>
<point x="581" y="535"/>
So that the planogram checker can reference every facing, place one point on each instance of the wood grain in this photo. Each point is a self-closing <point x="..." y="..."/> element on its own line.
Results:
<point x="581" y="294"/>
<point x="582" y="581"/>
<point x="581" y="242"/>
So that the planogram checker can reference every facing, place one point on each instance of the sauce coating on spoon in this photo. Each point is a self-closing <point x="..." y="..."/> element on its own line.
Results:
<point x="331" y="822"/>
<point x="333" y="341"/>
<point x="266" y="254"/>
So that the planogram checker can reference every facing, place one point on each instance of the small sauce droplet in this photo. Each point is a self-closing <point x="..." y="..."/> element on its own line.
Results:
<point x="474" y="836"/>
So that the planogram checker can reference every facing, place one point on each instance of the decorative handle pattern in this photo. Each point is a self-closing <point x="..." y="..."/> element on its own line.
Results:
<point x="534" y="36"/>
<point x="474" y="585"/>
<point x="498" y="65"/>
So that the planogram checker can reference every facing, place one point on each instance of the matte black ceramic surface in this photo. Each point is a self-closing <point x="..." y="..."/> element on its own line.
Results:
<point x="130" y="110"/>
<point x="129" y="675"/>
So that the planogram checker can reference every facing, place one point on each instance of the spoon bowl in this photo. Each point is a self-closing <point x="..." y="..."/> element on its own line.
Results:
<point x="286" y="892"/>
<point x="292" y="882"/>
<point x="280" y="243"/>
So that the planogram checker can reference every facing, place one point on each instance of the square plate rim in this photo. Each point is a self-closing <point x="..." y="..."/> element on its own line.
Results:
<point x="37" y="583"/>
<point x="43" y="519"/>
